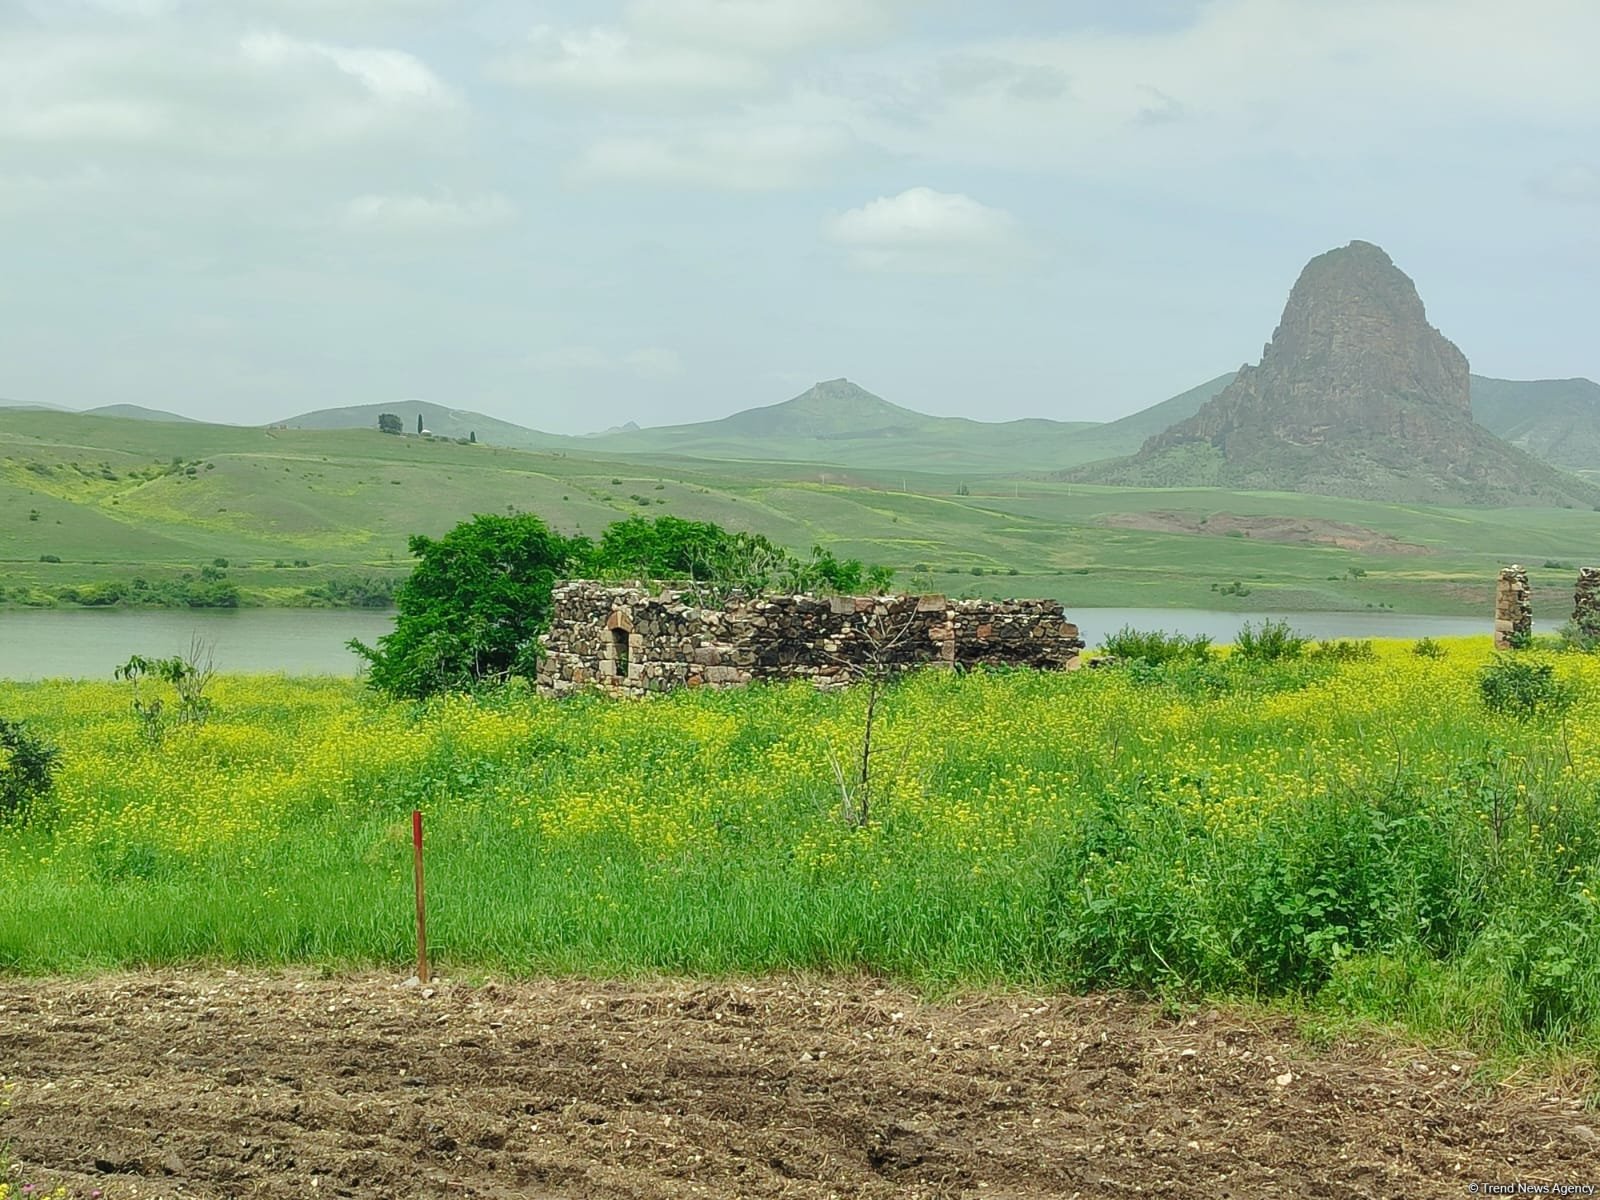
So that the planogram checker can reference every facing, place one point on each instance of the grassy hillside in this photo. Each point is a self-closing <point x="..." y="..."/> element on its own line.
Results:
<point x="840" y="423"/>
<point x="137" y="412"/>
<point x="292" y="510"/>
<point x="436" y="419"/>
<point x="1557" y="420"/>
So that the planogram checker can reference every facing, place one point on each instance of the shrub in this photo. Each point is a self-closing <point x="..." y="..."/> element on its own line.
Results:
<point x="1523" y="688"/>
<point x="1274" y="641"/>
<point x="1156" y="647"/>
<point x="27" y="767"/>
<point x="1576" y="638"/>
<point x="1342" y="651"/>
<point x="1428" y="648"/>
<point x="49" y="558"/>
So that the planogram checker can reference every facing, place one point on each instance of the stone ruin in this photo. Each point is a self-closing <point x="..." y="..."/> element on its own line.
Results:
<point x="1513" y="609"/>
<point x="633" y="640"/>
<point x="1586" y="603"/>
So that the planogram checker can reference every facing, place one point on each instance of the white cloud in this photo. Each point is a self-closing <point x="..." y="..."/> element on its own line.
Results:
<point x="389" y="76"/>
<point x="739" y="157"/>
<point x="406" y="214"/>
<point x="1245" y="78"/>
<point x="263" y="94"/>
<point x="689" y="48"/>
<point x="922" y="230"/>
<point x="614" y="63"/>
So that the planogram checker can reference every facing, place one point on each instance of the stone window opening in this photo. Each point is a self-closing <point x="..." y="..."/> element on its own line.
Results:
<point x="619" y="652"/>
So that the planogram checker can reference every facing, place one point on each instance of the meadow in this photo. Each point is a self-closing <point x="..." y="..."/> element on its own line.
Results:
<point x="308" y="517"/>
<point x="1358" y="835"/>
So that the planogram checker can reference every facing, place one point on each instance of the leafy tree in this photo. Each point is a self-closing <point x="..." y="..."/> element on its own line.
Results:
<point x="389" y="423"/>
<point x="419" y="422"/>
<point x="474" y="607"/>
<point x="472" y="437"/>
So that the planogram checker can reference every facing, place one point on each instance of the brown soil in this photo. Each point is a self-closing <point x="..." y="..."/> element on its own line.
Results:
<point x="212" y="1085"/>
<point x="1302" y="531"/>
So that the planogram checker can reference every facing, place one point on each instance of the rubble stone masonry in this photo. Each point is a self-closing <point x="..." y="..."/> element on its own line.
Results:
<point x="1586" y="602"/>
<point x="1513" y="609"/>
<point x="634" y="640"/>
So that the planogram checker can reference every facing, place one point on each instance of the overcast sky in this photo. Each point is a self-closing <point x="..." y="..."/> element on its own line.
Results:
<point x="576" y="214"/>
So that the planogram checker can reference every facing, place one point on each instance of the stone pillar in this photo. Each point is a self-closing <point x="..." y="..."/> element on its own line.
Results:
<point x="1586" y="602"/>
<point x="1513" y="609"/>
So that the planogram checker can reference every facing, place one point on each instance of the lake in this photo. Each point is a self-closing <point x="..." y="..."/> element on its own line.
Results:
<point x="90" y="643"/>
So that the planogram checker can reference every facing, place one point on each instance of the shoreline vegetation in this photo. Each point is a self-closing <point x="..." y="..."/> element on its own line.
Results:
<point x="1395" y="832"/>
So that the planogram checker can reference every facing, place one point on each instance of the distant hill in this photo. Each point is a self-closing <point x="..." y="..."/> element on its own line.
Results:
<point x="1122" y="437"/>
<point x="1557" y="420"/>
<point x="839" y="422"/>
<point x="19" y="406"/>
<point x="436" y="419"/>
<point x="1356" y="395"/>
<point x="137" y="412"/>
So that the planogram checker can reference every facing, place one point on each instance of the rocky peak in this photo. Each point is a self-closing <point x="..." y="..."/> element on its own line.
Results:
<point x="1357" y="395"/>
<point x="1353" y="351"/>
<point x="1355" y="320"/>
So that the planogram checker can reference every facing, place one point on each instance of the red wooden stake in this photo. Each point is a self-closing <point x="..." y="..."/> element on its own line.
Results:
<point x="422" y="912"/>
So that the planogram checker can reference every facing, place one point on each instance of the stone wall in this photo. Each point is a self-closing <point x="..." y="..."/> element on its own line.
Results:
<point x="1513" y="609"/>
<point x="1586" y="602"/>
<point x="630" y="639"/>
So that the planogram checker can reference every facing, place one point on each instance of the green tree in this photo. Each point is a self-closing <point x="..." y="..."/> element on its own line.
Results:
<point x="389" y="423"/>
<point x="419" y="422"/>
<point x="474" y="607"/>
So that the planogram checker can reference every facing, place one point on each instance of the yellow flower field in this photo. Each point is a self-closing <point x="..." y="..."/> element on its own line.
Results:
<point x="1366" y="833"/>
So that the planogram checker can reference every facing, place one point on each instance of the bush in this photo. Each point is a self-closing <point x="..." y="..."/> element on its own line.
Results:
<point x="1578" y="639"/>
<point x="1274" y="641"/>
<point x="367" y="591"/>
<point x="1156" y="647"/>
<point x="27" y="767"/>
<point x="49" y="558"/>
<point x="1428" y="648"/>
<point x="1342" y="651"/>
<point x="1523" y="688"/>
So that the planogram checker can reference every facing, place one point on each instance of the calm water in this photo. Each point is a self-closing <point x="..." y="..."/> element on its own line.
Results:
<point x="1096" y="623"/>
<point x="42" y="644"/>
<point x="46" y="643"/>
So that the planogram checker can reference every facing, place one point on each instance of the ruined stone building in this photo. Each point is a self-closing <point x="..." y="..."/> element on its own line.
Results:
<point x="1513" y="607"/>
<point x="634" y="640"/>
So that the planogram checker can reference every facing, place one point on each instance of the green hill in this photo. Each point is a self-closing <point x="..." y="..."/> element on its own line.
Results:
<point x="842" y="424"/>
<point x="136" y="412"/>
<point x="436" y="419"/>
<point x="301" y="516"/>
<point x="1557" y="420"/>
<point x="834" y="423"/>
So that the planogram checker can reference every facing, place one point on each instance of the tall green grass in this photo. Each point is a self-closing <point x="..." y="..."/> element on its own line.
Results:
<point x="1363" y="835"/>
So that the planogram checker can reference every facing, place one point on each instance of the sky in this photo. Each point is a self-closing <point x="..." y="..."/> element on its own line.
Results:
<point x="573" y="215"/>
